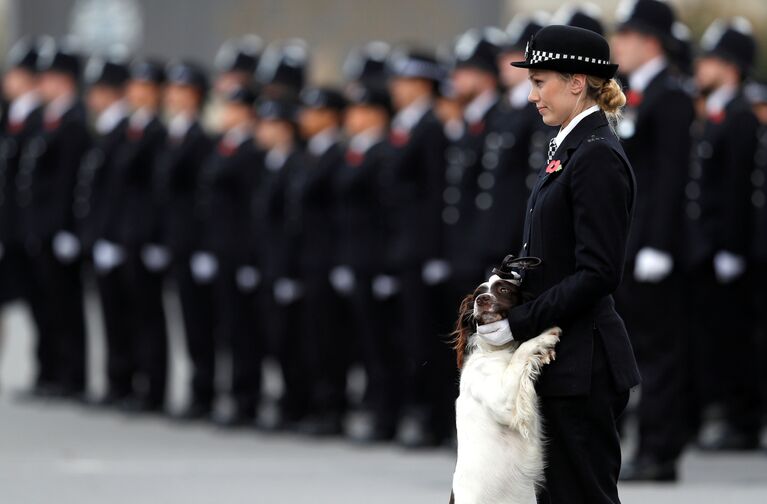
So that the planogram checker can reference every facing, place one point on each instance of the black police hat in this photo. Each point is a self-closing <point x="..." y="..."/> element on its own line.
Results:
<point x="416" y="64"/>
<point x="681" y="51"/>
<point x="521" y="28"/>
<point x="148" y="70"/>
<point x="322" y="97"/>
<point x="58" y="57"/>
<point x="240" y="54"/>
<point x="367" y="64"/>
<point x="652" y="17"/>
<point x="581" y="15"/>
<point x="372" y="96"/>
<point x="731" y="40"/>
<point x="284" y="63"/>
<point x="277" y="110"/>
<point x="23" y="54"/>
<point x="243" y="95"/>
<point x="105" y="72"/>
<point x="567" y="49"/>
<point x="187" y="73"/>
<point x="479" y="49"/>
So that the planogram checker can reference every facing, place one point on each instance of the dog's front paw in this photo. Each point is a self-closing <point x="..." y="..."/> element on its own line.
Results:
<point x="542" y="346"/>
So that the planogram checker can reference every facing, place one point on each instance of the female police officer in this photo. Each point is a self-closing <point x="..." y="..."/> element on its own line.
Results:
<point x="578" y="218"/>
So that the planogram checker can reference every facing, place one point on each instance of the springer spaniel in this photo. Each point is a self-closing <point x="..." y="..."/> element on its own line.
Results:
<point x="500" y="455"/>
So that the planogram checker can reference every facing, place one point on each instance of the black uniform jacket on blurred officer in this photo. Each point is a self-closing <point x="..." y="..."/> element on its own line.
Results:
<point x="578" y="222"/>
<point x="412" y="192"/>
<point x="725" y="151"/>
<point x="655" y="134"/>
<point x="179" y="169"/>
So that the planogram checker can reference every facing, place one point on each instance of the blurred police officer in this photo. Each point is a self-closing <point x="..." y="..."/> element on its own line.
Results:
<point x="45" y="184"/>
<point x="655" y="131"/>
<point x="359" y="254"/>
<point x="584" y="15"/>
<point x="282" y="69"/>
<point x="719" y="215"/>
<point x="227" y="180"/>
<point x="284" y="163"/>
<point x="514" y="150"/>
<point x="178" y="171"/>
<point x="412" y="196"/>
<point x="21" y="118"/>
<point x="138" y="235"/>
<point x="365" y="66"/>
<point x="320" y="123"/>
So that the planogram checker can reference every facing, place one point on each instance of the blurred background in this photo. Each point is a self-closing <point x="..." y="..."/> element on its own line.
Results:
<point x="297" y="432"/>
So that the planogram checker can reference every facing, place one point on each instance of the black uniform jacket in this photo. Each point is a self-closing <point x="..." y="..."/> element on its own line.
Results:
<point x="659" y="151"/>
<point x="412" y="193"/>
<point x="359" y="214"/>
<point x="179" y="168"/>
<point x="318" y="232"/>
<point x="578" y="224"/>
<point x="136" y="218"/>
<point x="48" y="172"/>
<point x="725" y="153"/>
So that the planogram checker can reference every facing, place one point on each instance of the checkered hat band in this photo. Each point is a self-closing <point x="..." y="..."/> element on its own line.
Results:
<point x="540" y="56"/>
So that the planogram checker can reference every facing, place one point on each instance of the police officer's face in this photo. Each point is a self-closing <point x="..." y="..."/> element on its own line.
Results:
<point x="712" y="72"/>
<point x="557" y="98"/>
<point x="404" y="91"/>
<point x="100" y="97"/>
<point x="631" y="49"/>
<point x="468" y="83"/>
<point x="144" y="95"/>
<point x="272" y="133"/>
<point x="360" y="118"/>
<point x="17" y="82"/>
<point x="181" y="99"/>
<point x="315" y="120"/>
<point x="511" y="76"/>
<point x="56" y="85"/>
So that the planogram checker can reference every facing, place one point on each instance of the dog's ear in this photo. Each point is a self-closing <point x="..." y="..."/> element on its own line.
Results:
<point x="464" y="327"/>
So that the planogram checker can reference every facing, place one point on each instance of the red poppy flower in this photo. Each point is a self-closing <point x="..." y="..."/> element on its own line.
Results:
<point x="554" y="166"/>
<point x="633" y="98"/>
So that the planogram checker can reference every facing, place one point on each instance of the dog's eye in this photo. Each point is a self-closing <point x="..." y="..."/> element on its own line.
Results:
<point x="503" y="290"/>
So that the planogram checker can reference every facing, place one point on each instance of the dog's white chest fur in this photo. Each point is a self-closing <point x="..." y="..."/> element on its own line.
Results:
<point x="500" y="455"/>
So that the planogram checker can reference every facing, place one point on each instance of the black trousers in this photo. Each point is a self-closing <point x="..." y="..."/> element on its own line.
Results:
<point x="150" y="338"/>
<point x="326" y="343"/>
<point x="656" y="324"/>
<point x="57" y="305"/>
<point x="197" y="310"/>
<point x="236" y="329"/>
<point x="582" y="452"/>
<point x="724" y="347"/>
<point x="377" y="347"/>
<point x="119" y="322"/>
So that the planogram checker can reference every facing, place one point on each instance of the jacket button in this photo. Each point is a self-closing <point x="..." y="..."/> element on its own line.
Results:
<point x="524" y="246"/>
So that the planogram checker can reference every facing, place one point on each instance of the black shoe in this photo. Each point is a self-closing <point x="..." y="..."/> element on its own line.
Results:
<point x="366" y="428"/>
<point x="141" y="405"/>
<point x="326" y="424"/>
<point x="196" y="411"/>
<point x="649" y="469"/>
<point x="731" y="439"/>
<point x="238" y="418"/>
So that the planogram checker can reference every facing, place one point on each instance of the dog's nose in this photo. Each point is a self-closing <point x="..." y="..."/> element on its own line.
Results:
<point x="484" y="299"/>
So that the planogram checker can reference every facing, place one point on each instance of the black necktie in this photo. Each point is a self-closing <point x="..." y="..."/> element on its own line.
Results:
<point x="552" y="150"/>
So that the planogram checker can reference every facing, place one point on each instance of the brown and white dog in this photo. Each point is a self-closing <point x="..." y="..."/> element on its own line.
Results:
<point x="500" y="439"/>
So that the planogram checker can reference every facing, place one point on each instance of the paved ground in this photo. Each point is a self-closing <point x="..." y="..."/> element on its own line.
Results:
<point x="57" y="453"/>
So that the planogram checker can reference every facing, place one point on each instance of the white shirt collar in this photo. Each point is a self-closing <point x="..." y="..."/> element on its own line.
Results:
<point x="179" y="126"/>
<point x="140" y="118"/>
<point x="361" y="142"/>
<point x="718" y="100"/>
<point x="236" y="136"/>
<point x="454" y="129"/>
<point x="642" y="76"/>
<point x="408" y="117"/>
<point x="111" y="117"/>
<point x="476" y="110"/>
<point x="58" y="107"/>
<point x="573" y="123"/>
<point x="22" y="106"/>
<point x="322" y="141"/>
<point x="519" y="93"/>
<point x="275" y="159"/>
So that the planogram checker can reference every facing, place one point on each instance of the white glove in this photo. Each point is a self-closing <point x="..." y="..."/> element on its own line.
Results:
<point x="495" y="333"/>
<point x="66" y="247"/>
<point x="107" y="256"/>
<point x="247" y="278"/>
<point x="342" y="279"/>
<point x="204" y="267"/>
<point x="435" y="271"/>
<point x="652" y="265"/>
<point x="155" y="257"/>
<point x="728" y="266"/>
<point x="287" y="291"/>
<point x="385" y="286"/>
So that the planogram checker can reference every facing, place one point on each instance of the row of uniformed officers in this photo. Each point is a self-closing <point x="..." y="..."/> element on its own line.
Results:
<point x="322" y="227"/>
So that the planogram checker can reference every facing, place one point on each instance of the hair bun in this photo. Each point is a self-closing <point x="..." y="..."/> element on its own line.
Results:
<point x="611" y="97"/>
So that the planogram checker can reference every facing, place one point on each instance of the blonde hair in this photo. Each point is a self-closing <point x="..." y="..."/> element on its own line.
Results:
<point x="607" y="94"/>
